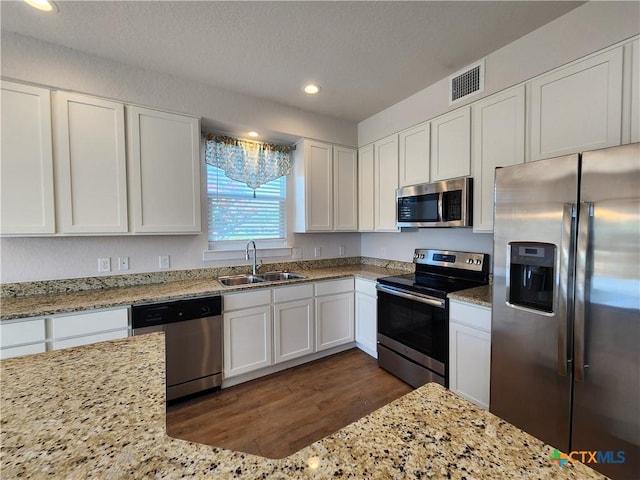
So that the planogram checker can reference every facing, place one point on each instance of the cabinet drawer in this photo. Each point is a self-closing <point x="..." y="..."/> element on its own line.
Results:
<point x="246" y="299"/>
<point x="334" y="286"/>
<point x="24" y="350"/>
<point x="89" y="323"/>
<point x="295" y="292"/>
<point x="86" y="340"/>
<point x="18" y="333"/>
<point x="475" y="316"/>
<point x="368" y="287"/>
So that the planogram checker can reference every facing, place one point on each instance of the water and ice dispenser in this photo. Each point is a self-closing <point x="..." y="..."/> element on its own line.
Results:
<point x="531" y="275"/>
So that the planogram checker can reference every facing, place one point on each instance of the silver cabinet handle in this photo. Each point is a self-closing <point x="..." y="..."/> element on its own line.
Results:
<point x="435" y="302"/>
<point x="565" y="285"/>
<point x="582" y="265"/>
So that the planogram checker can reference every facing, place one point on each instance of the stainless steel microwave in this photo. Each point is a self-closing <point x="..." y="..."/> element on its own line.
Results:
<point x="441" y="204"/>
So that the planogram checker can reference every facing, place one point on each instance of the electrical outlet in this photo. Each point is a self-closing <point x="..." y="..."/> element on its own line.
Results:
<point x="317" y="252"/>
<point x="383" y="252"/>
<point x="342" y="250"/>
<point x="123" y="263"/>
<point x="104" y="264"/>
<point x="163" y="261"/>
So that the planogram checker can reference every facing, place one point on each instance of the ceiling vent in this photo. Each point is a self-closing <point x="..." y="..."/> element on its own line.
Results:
<point x="466" y="83"/>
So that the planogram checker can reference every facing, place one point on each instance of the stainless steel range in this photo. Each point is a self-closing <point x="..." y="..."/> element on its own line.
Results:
<point x="413" y="313"/>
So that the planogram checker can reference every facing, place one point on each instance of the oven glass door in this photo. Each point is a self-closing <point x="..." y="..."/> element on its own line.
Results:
<point x="414" y="324"/>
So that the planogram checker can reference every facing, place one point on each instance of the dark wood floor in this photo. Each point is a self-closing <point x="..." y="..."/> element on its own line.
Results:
<point x="278" y="415"/>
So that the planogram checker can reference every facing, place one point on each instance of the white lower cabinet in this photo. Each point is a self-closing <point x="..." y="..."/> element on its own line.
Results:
<point x="37" y="335"/>
<point x="366" y="316"/>
<point x="470" y="351"/>
<point x="247" y="332"/>
<point x="269" y="329"/>
<point x="22" y="337"/>
<point x="85" y="328"/>
<point x="334" y="313"/>
<point x="293" y="326"/>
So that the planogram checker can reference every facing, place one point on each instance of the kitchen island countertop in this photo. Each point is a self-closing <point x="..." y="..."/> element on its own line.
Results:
<point x="97" y="411"/>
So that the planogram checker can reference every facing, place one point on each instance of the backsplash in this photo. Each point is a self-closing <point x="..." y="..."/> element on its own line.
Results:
<point x="45" y="287"/>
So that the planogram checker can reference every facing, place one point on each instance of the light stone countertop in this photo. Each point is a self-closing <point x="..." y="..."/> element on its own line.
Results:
<point x="476" y="295"/>
<point x="59" y="303"/>
<point x="98" y="411"/>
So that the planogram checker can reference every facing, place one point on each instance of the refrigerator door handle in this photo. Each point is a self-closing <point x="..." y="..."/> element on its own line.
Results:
<point x="565" y="286"/>
<point x="582" y="265"/>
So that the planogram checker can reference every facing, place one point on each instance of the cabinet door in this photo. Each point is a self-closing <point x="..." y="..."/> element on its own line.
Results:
<point x="319" y="181"/>
<point x="293" y="330"/>
<point x="469" y="363"/>
<point x="247" y="340"/>
<point x="366" y="192"/>
<point x="91" y="175"/>
<point x="498" y="141"/>
<point x="334" y="320"/>
<point x="26" y="161"/>
<point x="414" y="155"/>
<point x="366" y="323"/>
<point x="451" y="145"/>
<point x="386" y="184"/>
<point x="578" y="107"/>
<point x="13" y="334"/>
<point x="164" y="165"/>
<point x="345" y="189"/>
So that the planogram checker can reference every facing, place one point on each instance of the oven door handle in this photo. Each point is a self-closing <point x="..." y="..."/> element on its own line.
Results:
<point x="434" y="302"/>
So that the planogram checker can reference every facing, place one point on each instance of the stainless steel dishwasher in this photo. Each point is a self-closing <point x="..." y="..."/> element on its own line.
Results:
<point x="193" y="341"/>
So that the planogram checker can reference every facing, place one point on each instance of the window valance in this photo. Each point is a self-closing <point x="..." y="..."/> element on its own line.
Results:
<point x="246" y="161"/>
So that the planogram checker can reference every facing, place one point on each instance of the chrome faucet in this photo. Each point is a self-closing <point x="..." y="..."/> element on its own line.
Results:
<point x="254" y="270"/>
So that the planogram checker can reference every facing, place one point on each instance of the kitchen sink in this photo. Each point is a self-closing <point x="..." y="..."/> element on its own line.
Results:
<point x="278" y="276"/>
<point x="234" y="280"/>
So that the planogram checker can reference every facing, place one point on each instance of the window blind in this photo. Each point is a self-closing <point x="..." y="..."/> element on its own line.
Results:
<point x="234" y="214"/>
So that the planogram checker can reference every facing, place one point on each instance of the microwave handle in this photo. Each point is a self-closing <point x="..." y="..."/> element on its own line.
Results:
<point x="441" y="207"/>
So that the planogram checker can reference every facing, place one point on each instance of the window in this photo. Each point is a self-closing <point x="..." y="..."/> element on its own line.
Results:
<point x="235" y="215"/>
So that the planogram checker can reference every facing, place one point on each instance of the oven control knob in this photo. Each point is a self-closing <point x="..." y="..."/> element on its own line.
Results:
<point x="422" y="255"/>
<point x="469" y="260"/>
<point x="478" y="261"/>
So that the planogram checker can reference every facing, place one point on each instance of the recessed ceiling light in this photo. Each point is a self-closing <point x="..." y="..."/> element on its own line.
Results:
<point x="253" y="134"/>
<point x="311" y="89"/>
<point x="44" y="5"/>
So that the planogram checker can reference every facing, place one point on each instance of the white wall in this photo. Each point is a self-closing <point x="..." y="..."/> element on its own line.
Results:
<point x="584" y="30"/>
<point x="400" y="246"/>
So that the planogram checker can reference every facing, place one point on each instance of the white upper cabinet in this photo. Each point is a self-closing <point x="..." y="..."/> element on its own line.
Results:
<point x="578" y="107"/>
<point x="414" y="155"/>
<point x="345" y="189"/>
<point x="498" y="141"/>
<point x="451" y="145"/>
<point x="91" y="172"/>
<point x="366" y="192"/>
<point x="164" y="171"/>
<point x="385" y="183"/>
<point x="326" y="190"/>
<point x="26" y="161"/>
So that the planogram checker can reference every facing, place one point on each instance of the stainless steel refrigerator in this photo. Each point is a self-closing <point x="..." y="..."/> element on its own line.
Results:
<point x="565" y="353"/>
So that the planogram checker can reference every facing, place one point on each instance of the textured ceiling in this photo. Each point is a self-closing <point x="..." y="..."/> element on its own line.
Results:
<point x="365" y="55"/>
